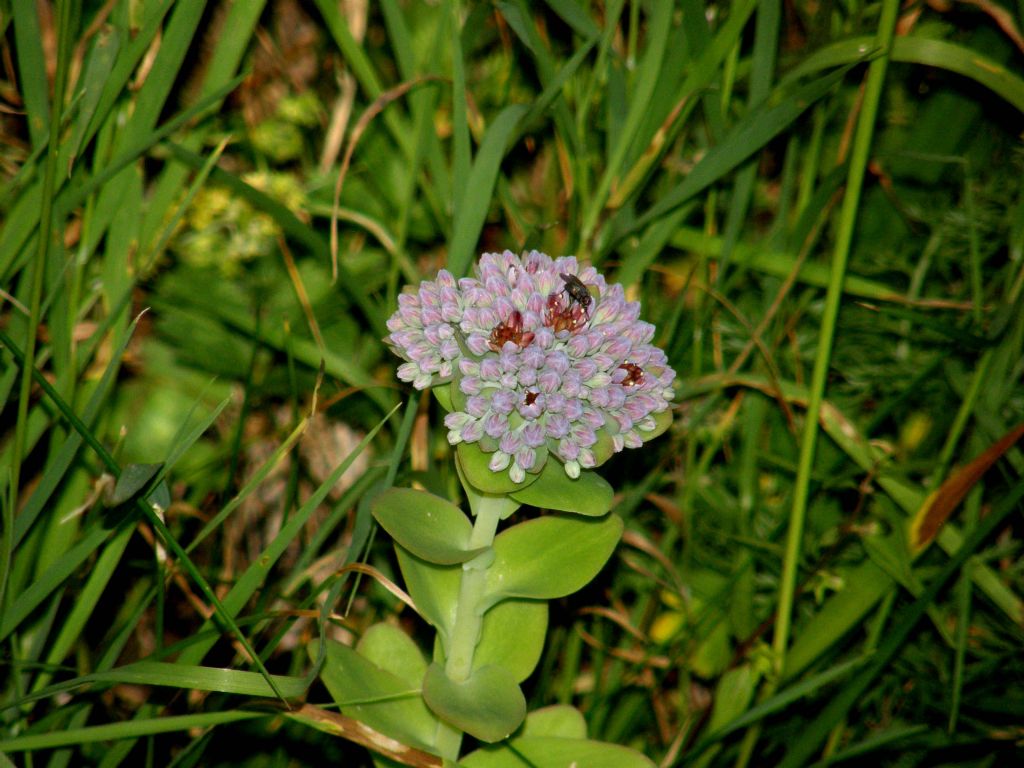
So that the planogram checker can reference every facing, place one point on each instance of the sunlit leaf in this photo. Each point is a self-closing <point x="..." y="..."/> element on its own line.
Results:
<point x="551" y="556"/>
<point x="427" y="525"/>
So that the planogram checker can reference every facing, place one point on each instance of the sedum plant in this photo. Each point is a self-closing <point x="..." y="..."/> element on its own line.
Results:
<point x="545" y="371"/>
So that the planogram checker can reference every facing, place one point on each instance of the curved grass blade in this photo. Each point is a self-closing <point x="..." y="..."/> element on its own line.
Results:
<point x="940" y="54"/>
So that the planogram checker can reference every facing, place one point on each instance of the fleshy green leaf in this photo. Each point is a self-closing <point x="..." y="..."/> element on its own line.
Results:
<point x="513" y="636"/>
<point x="443" y="393"/>
<point x="551" y="556"/>
<point x="393" y="651"/>
<point x="557" y="720"/>
<point x="427" y="525"/>
<point x="555" y="752"/>
<point x="475" y="466"/>
<point x="604" y="448"/>
<point x="489" y="705"/>
<point x="374" y="696"/>
<point x="589" y="494"/>
<point x="433" y="588"/>
<point x="662" y="422"/>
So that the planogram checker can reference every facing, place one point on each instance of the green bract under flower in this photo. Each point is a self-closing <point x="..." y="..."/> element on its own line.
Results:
<point x="545" y="359"/>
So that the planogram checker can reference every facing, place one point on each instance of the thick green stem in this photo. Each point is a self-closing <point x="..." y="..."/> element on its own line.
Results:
<point x="468" y="616"/>
<point x="468" y="613"/>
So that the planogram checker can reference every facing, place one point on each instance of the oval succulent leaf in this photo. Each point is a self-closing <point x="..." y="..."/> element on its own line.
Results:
<point x="555" y="752"/>
<point x="434" y="590"/>
<point x="394" y="651"/>
<point x="662" y="421"/>
<point x="589" y="494"/>
<point x="513" y="635"/>
<point x="489" y="705"/>
<point x="427" y="525"/>
<point x="374" y="696"/>
<point x="556" y="720"/>
<point x="551" y="556"/>
<point x="444" y="396"/>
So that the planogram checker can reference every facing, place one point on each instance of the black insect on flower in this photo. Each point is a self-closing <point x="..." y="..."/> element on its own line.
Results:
<point x="577" y="291"/>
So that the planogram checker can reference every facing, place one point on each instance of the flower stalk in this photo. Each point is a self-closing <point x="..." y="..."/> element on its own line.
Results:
<point x="469" y="611"/>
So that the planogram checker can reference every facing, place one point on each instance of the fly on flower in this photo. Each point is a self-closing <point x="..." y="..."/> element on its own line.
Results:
<point x="578" y="291"/>
<point x="569" y="308"/>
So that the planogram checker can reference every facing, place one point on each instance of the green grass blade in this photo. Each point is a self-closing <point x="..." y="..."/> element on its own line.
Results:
<point x="780" y="701"/>
<point x="823" y="356"/>
<point x="34" y="596"/>
<point x="86" y="603"/>
<point x="777" y="263"/>
<point x="42" y="262"/>
<point x="167" y="538"/>
<point x="139" y="41"/>
<point x="240" y="19"/>
<point x="127" y="730"/>
<point x="804" y="746"/>
<point x="766" y="41"/>
<point x="573" y="15"/>
<point x="461" y="153"/>
<point x="941" y="54"/>
<point x="482" y="179"/>
<point x="748" y="136"/>
<point x="251" y="485"/>
<point x="659" y="25"/>
<point x="58" y="466"/>
<point x="363" y="70"/>
<point x="92" y="84"/>
<point x="32" y="68"/>
<point x="196" y="678"/>
<point x="146" y="143"/>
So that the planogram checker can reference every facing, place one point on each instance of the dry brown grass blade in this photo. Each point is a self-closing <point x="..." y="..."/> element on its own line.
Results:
<point x="302" y="296"/>
<point x="381" y="579"/>
<point x="941" y="502"/>
<point x="1003" y="19"/>
<point x="355" y="731"/>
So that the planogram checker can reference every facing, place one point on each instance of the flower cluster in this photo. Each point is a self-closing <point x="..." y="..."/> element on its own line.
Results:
<point x="547" y="358"/>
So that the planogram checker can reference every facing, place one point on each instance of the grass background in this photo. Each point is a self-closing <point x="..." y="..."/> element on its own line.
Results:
<point x="208" y="209"/>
